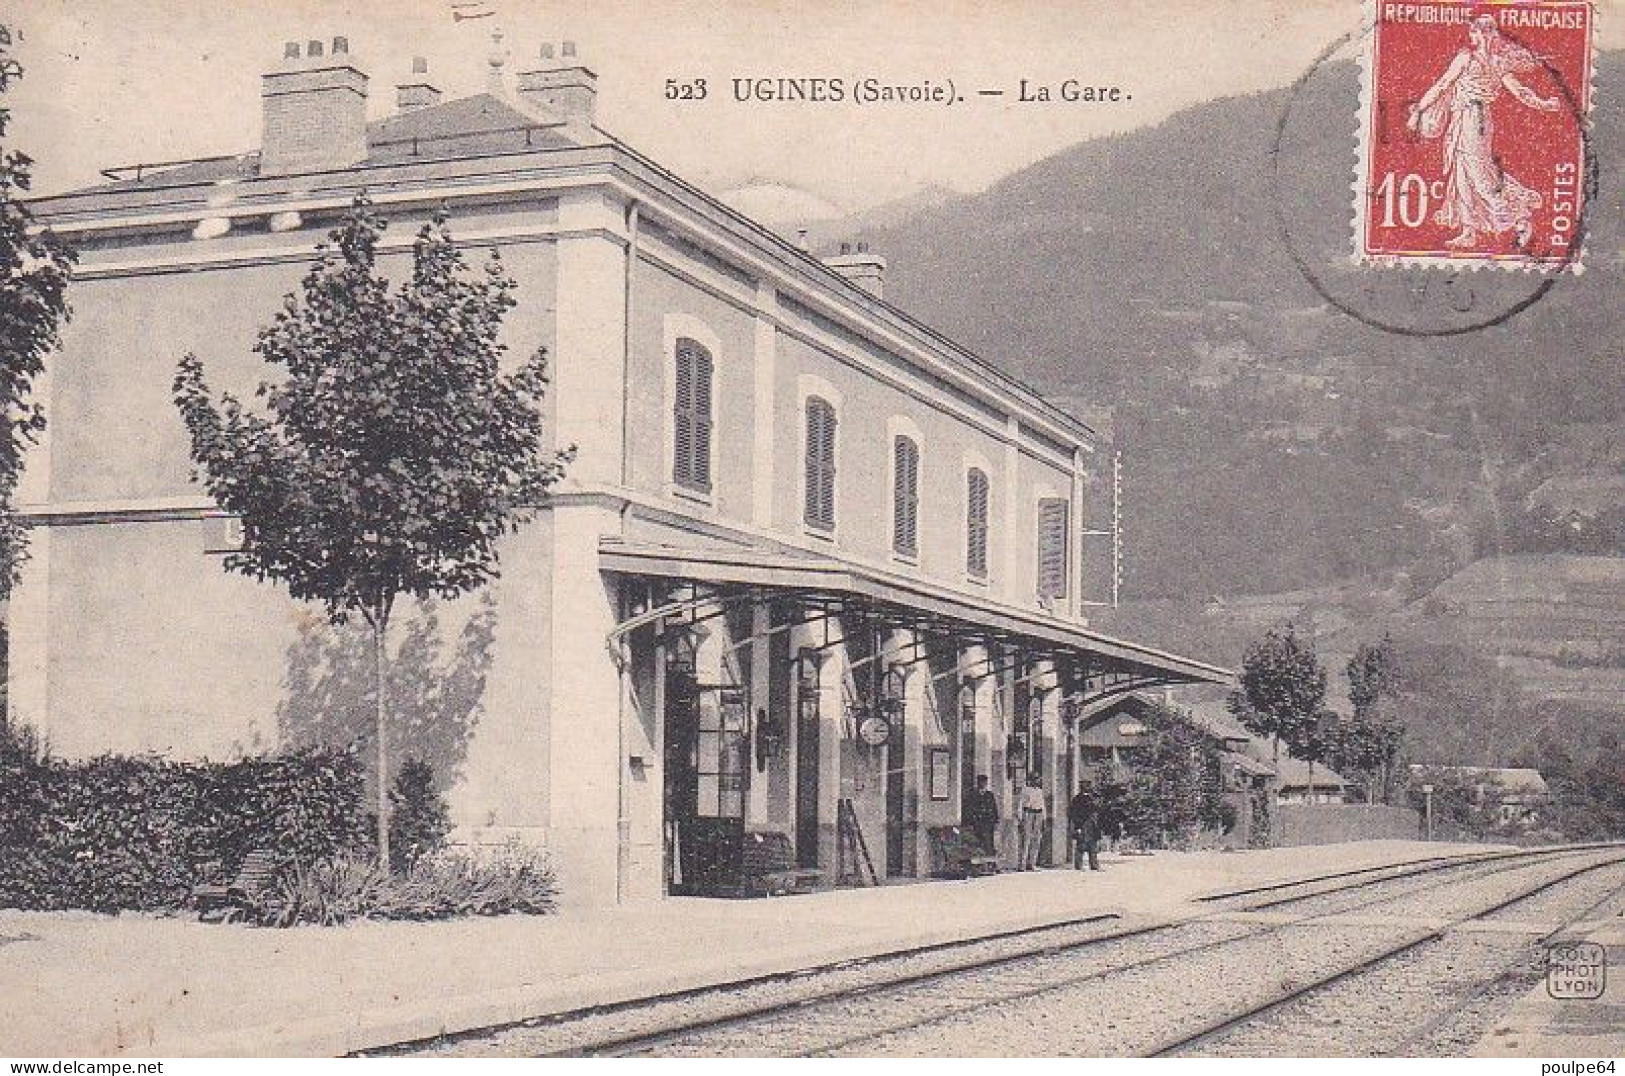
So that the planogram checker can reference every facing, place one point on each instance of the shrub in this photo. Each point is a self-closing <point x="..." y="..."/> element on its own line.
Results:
<point x="325" y="893"/>
<point x="419" y="820"/>
<point x="115" y="833"/>
<point x="445" y="885"/>
<point x="509" y="880"/>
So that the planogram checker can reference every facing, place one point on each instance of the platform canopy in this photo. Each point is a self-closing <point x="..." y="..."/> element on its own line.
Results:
<point x="1090" y="666"/>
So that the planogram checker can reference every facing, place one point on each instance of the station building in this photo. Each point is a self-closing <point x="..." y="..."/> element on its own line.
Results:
<point x="814" y="568"/>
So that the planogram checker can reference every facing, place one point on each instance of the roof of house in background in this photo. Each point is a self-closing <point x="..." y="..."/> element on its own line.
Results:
<point x="1294" y="773"/>
<point x="1214" y="716"/>
<point x="1247" y="764"/>
<point x="1506" y="778"/>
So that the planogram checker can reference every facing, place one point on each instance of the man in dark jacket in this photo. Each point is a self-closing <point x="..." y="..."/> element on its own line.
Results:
<point x="983" y="816"/>
<point x="1083" y="815"/>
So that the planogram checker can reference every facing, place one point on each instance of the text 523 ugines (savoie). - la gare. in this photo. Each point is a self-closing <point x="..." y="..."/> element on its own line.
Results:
<point x="835" y="90"/>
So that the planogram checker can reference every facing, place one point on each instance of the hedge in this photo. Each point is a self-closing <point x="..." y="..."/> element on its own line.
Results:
<point x="116" y="833"/>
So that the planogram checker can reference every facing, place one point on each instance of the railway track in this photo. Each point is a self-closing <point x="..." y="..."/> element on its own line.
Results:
<point x="1278" y="1012"/>
<point x="884" y="1001"/>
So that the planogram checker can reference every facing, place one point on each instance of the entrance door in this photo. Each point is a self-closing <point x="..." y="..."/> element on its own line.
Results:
<point x="706" y="771"/>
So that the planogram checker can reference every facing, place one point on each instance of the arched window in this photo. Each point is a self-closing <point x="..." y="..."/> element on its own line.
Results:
<point x="691" y="413"/>
<point x="905" y="503"/>
<point x="976" y="522"/>
<point x="820" y="484"/>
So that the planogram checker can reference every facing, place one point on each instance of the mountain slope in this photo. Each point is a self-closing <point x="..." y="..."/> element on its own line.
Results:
<point x="1272" y="442"/>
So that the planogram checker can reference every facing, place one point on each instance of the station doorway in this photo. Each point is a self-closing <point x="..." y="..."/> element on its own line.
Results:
<point x="707" y="735"/>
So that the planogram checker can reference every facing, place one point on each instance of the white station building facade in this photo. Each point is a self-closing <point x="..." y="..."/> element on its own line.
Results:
<point x="813" y="569"/>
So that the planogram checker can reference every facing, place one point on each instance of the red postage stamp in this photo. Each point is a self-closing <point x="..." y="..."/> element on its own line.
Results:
<point x="1473" y="133"/>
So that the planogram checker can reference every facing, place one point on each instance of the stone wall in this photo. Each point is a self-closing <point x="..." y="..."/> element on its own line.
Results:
<point x="1329" y="823"/>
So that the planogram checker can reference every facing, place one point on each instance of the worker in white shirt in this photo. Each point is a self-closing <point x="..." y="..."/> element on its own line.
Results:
<point x="1032" y="822"/>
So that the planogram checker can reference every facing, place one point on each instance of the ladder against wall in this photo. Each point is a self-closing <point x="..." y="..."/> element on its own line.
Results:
<point x="854" y="867"/>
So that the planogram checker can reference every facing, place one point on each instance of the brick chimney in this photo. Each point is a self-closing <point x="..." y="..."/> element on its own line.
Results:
<point x="315" y="109"/>
<point x="866" y="270"/>
<point x="563" y="86"/>
<point x="416" y="93"/>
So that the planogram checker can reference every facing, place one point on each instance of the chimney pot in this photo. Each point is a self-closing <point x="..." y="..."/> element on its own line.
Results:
<point x="569" y="49"/>
<point x="341" y="46"/>
<point x="290" y="51"/>
<point x="313" y="49"/>
<point x="846" y="248"/>
<point x="547" y="50"/>
<point x="420" y="65"/>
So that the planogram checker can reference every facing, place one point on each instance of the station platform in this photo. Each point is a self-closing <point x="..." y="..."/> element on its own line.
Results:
<point x="83" y="985"/>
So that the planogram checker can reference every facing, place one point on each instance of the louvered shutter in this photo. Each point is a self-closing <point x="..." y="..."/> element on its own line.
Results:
<point x="820" y="476"/>
<point x="976" y="523"/>
<point x="700" y="468"/>
<point x="1052" y="545"/>
<point x="905" y="496"/>
<point x="691" y="415"/>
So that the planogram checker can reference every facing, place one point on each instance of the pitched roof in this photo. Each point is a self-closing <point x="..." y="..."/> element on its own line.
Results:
<point x="463" y="127"/>
<point x="1506" y="778"/>
<point x="1214" y="716"/>
<point x="1294" y="773"/>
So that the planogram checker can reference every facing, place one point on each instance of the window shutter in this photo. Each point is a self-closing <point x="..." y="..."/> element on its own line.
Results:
<point x="905" y="496"/>
<point x="1052" y="546"/>
<point x="700" y="469"/>
<point x="691" y="417"/>
<point x="976" y="522"/>
<point x="820" y="474"/>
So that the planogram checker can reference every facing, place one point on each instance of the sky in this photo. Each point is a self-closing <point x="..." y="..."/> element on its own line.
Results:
<point x="113" y="82"/>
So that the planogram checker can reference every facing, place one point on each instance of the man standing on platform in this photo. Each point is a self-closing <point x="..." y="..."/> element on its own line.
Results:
<point x="983" y="816"/>
<point x="1083" y="815"/>
<point x="1032" y="822"/>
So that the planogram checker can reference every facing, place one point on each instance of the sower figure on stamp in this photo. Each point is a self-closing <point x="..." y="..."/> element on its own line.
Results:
<point x="1479" y="195"/>
<point x="983" y="816"/>
<point x="1032" y="822"/>
<point x="1084" y="817"/>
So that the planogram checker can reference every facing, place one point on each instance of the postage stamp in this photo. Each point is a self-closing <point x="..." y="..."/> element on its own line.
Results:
<point x="1473" y="133"/>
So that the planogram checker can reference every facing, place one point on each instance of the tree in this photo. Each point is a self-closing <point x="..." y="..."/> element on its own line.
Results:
<point x="1316" y="741"/>
<point x="35" y="267"/>
<point x="395" y="454"/>
<point x="1283" y="688"/>
<point x="1376" y="679"/>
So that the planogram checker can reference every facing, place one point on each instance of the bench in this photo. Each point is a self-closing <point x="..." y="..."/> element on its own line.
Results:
<point x="768" y="867"/>
<point x="226" y="901"/>
<point x="959" y="854"/>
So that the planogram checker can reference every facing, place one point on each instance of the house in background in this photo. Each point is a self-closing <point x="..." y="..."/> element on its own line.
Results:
<point x="1299" y="782"/>
<point x="815" y="567"/>
<point x="1502" y="796"/>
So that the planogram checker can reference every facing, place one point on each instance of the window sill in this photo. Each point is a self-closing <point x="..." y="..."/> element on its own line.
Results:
<point x="693" y="496"/>
<point x="818" y="532"/>
<point x="911" y="560"/>
<point x="977" y="580"/>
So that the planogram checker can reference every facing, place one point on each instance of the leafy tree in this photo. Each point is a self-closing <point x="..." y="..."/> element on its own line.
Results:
<point x="1316" y="741"/>
<point x="34" y="270"/>
<point x="1376" y="679"/>
<point x="395" y="454"/>
<point x="1174" y="789"/>
<point x="1283" y="688"/>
